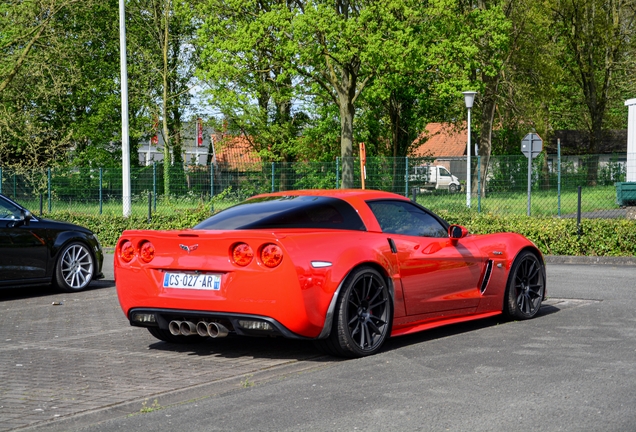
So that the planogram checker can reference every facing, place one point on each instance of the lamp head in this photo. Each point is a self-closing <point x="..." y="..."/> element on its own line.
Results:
<point x="469" y="98"/>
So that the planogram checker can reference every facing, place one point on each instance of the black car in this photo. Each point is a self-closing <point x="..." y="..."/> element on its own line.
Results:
<point x="36" y="251"/>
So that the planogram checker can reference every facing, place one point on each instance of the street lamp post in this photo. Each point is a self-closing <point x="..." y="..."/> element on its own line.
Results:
<point x="469" y="98"/>
<point x="125" y="143"/>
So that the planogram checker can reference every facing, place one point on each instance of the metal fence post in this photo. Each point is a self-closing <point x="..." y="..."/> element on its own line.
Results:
<point x="15" y="186"/>
<point x="0" y="180"/>
<point x="406" y="176"/>
<point x="211" y="181"/>
<point x="559" y="177"/>
<point x="578" y="214"/>
<point x="101" y="178"/>
<point x="49" y="188"/>
<point x="337" y="172"/>
<point x="273" y="175"/>
<point x="149" y="207"/>
<point x="154" y="183"/>
<point x="478" y="184"/>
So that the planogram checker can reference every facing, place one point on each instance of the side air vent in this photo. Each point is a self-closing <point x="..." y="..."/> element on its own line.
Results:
<point x="392" y="245"/>
<point x="484" y="282"/>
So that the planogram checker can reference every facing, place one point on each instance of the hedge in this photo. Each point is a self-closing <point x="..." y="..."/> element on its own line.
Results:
<point x="553" y="236"/>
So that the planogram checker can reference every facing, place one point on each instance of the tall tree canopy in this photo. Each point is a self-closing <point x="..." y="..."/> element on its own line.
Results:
<point x="305" y="79"/>
<point x="595" y="41"/>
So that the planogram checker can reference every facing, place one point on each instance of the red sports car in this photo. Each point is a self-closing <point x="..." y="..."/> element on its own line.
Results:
<point x="346" y="268"/>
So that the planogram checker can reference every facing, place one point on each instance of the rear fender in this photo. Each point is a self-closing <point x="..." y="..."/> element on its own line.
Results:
<point x="326" y="330"/>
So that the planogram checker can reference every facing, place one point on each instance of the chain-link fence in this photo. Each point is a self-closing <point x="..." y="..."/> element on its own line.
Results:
<point x="559" y="186"/>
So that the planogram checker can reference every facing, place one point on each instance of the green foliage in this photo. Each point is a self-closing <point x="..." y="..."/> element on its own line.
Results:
<point x="109" y="227"/>
<point x="553" y="236"/>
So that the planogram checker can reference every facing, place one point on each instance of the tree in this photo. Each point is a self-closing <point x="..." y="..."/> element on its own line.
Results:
<point x="595" y="38"/>
<point x="247" y="74"/>
<point x="342" y="46"/>
<point x="58" y="80"/>
<point x="162" y="43"/>
<point x="24" y="24"/>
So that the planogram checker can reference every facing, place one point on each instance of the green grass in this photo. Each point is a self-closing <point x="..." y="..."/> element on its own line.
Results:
<point x="543" y="203"/>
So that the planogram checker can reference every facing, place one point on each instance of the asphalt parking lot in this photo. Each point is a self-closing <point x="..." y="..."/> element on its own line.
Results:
<point x="72" y="362"/>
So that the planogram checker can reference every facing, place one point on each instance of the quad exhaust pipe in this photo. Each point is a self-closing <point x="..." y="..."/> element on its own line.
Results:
<point x="202" y="328"/>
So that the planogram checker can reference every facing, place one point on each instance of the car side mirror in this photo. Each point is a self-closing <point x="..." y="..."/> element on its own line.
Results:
<point x="25" y="218"/>
<point x="456" y="232"/>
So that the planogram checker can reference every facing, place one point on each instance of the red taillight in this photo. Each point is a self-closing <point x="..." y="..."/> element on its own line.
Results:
<point x="242" y="254"/>
<point x="271" y="255"/>
<point x="147" y="252"/>
<point x="127" y="251"/>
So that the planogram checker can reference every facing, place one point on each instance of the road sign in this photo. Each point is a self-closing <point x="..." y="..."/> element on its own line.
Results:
<point x="531" y="145"/>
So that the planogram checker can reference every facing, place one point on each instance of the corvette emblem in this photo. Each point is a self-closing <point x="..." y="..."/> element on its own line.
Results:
<point x="189" y="249"/>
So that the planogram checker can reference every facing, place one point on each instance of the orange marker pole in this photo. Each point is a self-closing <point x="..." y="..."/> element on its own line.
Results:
<point x="363" y="164"/>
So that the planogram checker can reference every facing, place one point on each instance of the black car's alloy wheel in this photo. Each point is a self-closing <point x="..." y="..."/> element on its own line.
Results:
<point x="363" y="315"/>
<point x="75" y="267"/>
<point x="526" y="287"/>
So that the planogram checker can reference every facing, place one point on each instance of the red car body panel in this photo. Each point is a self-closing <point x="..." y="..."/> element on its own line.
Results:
<point x="433" y="281"/>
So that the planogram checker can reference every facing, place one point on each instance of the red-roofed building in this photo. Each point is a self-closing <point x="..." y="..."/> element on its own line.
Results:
<point x="445" y="144"/>
<point x="441" y="140"/>
<point x="234" y="153"/>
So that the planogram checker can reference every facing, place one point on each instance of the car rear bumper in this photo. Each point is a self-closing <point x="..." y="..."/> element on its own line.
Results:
<point x="236" y="323"/>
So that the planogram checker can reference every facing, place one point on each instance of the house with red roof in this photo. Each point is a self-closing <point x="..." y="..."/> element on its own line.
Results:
<point x="445" y="144"/>
<point x="441" y="140"/>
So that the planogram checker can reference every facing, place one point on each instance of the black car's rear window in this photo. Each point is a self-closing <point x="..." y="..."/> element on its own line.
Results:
<point x="286" y="212"/>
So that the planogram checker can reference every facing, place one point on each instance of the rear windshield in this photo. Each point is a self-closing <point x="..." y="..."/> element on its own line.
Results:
<point x="286" y="212"/>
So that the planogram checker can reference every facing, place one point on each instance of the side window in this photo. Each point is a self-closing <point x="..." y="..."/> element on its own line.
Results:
<point x="402" y="217"/>
<point x="8" y="210"/>
<point x="443" y="172"/>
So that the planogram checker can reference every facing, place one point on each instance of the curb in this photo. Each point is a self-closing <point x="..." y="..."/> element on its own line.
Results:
<point x="590" y="260"/>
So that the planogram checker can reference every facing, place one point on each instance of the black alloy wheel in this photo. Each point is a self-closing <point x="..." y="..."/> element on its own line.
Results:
<point x="526" y="287"/>
<point x="363" y="314"/>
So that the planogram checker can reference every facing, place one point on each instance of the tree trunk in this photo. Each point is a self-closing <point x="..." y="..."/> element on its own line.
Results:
<point x="489" y="103"/>
<point x="394" y="115"/>
<point x="347" y="112"/>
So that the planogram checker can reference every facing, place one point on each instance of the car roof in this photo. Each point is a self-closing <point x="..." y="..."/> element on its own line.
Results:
<point x="345" y="194"/>
<point x="355" y="197"/>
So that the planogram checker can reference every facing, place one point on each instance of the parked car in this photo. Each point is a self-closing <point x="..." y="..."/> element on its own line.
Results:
<point x="37" y="251"/>
<point x="430" y="177"/>
<point x="346" y="268"/>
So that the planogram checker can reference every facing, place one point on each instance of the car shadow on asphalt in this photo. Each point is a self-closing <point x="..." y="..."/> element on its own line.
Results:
<point x="35" y="291"/>
<point x="459" y="328"/>
<point x="234" y="347"/>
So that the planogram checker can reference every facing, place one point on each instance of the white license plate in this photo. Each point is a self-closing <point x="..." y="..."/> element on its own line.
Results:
<point x="199" y="281"/>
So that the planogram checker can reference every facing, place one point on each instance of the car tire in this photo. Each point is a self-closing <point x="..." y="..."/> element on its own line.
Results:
<point x="526" y="287"/>
<point x="362" y="317"/>
<point x="166" y="336"/>
<point x="74" y="268"/>
<point x="452" y="188"/>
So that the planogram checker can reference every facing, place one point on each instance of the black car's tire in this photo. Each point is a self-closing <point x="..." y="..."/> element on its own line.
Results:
<point x="166" y="336"/>
<point x="362" y="317"/>
<point x="74" y="268"/>
<point x="526" y="287"/>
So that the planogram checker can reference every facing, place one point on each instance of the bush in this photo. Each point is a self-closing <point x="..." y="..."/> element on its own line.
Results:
<point x="553" y="236"/>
